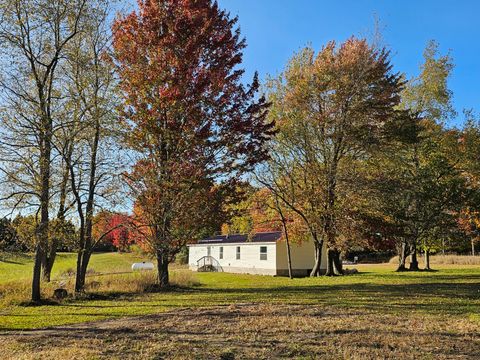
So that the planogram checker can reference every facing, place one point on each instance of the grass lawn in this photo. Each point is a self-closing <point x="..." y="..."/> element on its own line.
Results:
<point x="374" y="313"/>
<point x="19" y="267"/>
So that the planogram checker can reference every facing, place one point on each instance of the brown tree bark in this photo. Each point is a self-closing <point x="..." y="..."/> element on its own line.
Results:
<point x="414" y="260"/>
<point x="337" y="263"/>
<point x="86" y="251"/>
<point x="278" y="208"/>
<point x="330" y="263"/>
<point x="44" y="209"/>
<point x="48" y="259"/>
<point x="50" y="254"/>
<point x="162" y="268"/>
<point x="402" y="257"/>
<point x="427" y="259"/>
<point x="287" y="244"/>
<point x="318" y="259"/>
<point x="37" y="267"/>
<point x="42" y="229"/>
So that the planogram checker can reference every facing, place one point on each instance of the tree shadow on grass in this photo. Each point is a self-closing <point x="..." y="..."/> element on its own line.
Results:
<point x="12" y="262"/>
<point x="42" y="302"/>
<point x="447" y="295"/>
<point x="432" y="297"/>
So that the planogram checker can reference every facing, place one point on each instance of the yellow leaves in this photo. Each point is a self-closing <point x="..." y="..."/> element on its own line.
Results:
<point x="469" y="221"/>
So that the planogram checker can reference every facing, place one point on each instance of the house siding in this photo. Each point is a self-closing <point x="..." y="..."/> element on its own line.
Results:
<point x="249" y="262"/>
<point x="302" y="256"/>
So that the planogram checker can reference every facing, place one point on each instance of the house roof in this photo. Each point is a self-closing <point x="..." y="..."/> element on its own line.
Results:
<point x="243" y="238"/>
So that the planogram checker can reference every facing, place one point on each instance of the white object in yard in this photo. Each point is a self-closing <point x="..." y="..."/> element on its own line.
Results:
<point x="143" y="266"/>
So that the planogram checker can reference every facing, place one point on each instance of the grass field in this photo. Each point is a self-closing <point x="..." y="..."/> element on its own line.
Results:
<point x="374" y="314"/>
<point x="19" y="267"/>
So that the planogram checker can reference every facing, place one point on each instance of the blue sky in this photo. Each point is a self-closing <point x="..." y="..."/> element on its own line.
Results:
<point x="275" y="29"/>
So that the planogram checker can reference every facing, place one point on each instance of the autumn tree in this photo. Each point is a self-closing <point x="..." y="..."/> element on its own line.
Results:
<point x="468" y="156"/>
<point x="62" y="232"/>
<point x="194" y="126"/>
<point x="262" y="211"/>
<point x="241" y="220"/>
<point x="469" y="222"/>
<point x="34" y="36"/>
<point x="254" y="213"/>
<point x="420" y="198"/>
<point x="332" y="110"/>
<point x="87" y="142"/>
<point x="117" y="228"/>
<point x="422" y="186"/>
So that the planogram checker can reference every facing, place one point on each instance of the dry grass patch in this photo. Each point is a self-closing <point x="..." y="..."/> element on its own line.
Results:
<point x="257" y="331"/>
<point x="128" y="283"/>
<point x="444" y="260"/>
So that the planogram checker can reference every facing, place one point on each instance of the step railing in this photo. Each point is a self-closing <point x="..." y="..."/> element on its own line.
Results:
<point x="208" y="264"/>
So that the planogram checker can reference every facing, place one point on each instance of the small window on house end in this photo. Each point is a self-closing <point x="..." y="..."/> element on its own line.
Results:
<point x="238" y="252"/>
<point x="209" y="251"/>
<point x="263" y="253"/>
<point x="220" y="253"/>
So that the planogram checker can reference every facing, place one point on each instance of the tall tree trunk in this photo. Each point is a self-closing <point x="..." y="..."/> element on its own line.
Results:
<point x="402" y="257"/>
<point x="330" y="263"/>
<point x="473" y="247"/>
<point x="287" y="243"/>
<point x="318" y="258"/>
<point x="278" y="208"/>
<point x="49" y="259"/>
<point x="42" y="229"/>
<point x="83" y="259"/>
<point x="50" y="254"/>
<point x="37" y="267"/>
<point x="414" y="261"/>
<point x="87" y="250"/>
<point x="79" y="279"/>
<point x="427" y="259"/>
<point x="337" y="263"/>
<point x="162" y="267"/>
<point x="82" y="266"/>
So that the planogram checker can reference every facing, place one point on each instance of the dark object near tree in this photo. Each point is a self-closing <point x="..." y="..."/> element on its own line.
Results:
<point x="227" y="356"/>
<point x="60" y="294"/>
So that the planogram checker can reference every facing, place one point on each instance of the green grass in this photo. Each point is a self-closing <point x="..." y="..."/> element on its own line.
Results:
<point x="452" y="291"/>
<point x="19" y="267"/>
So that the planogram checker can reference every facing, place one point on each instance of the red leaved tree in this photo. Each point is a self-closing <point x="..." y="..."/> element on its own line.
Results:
<point x="195" y="128"/>
<point x="114" y="228"/>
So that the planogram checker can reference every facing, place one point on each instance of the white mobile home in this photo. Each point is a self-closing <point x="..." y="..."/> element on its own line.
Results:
<point x="262" y="253"/>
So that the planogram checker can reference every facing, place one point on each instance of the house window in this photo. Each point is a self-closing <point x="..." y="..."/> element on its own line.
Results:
<point x="220" y="255"/>
<point x="238" y="252"/>
<point x="209" y="251"/>
<point x="263" y="253"/>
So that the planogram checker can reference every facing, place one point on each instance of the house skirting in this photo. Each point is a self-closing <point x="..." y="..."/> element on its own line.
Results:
<point x="258" y="271"/>
<point x="240" y="270"/>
